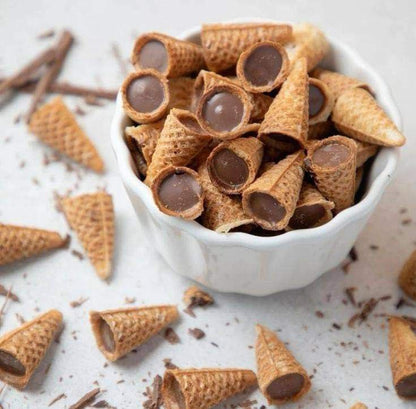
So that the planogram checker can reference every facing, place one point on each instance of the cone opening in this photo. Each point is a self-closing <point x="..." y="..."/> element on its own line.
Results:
<point x="173" y="396"/>
<point x="266" y="208"/>
<point x="331" y="155"/>
<point x="153" y="54"/>
<point x="317" y="100"/>
<point x="406" y="387"/>
<point x="10" y="364"/>
<point x="286" y="386"/>
<point x="307" y="216"/>
<point x="106" y="335"/>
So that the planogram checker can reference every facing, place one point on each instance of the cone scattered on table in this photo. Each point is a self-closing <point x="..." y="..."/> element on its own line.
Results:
<point x="56" y="126"/>
<point x="119" y="331"/>
<point x="203" y="388"/>
<point x="22" y="349"/>
<point x="407" y="278"/>
<point x="92" y="218"/>
<point x="281" y="377"/>
<point x="18" y="242"/>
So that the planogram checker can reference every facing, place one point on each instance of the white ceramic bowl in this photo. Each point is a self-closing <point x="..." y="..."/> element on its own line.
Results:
<point x="242" y="263"/>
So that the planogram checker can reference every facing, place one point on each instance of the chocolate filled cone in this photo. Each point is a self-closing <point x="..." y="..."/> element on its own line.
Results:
<point x="180" y="141"/>
<point x="250" y="150"/>
<point x="19" y="242"/>
<point x="328" y="103"/>
<point x="402" y="344"/>
<point x="308" y="42"/>
<point x="275" y="362"/>
<point x="359" y="405"/>
<point x="337" y="184"/>
<point x="283" y="183"/>
<point x="119" y="331"/>
<point x="22" y="349"/>
<point x="223" y="43"/>
<point x="356" y="114"/>
<point x="203" y="388"/>
<point x="56" y="126"/>
<point x="321" y="130"/>
<point x="184" y="57"/>
<point x="181" y="90"/>
<point x="92" y="218"/>
<point x="222" y="213"/>
<point x="285" y="124"/>
<point x="364" y="152"/>
<point x="407" y="278"/>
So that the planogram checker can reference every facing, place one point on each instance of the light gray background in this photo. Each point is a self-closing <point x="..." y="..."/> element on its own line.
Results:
<point x="382" y="31"/>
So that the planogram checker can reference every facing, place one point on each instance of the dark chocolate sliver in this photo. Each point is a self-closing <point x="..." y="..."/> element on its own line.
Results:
<point x="286" y="386"/>
<point x="331" y="155"/>
<point x="10" y="364"/>
<point x="407" y="386"/>
<point x="145" y="94"/>
<point x="266" y="207"/>
<point x="316" y="100"/>
<point x="153" y="55"/>
<point x="307" y="216"/>
<point x="107" y="336"/>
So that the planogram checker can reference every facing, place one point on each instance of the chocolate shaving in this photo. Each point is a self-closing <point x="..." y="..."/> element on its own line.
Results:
<point x="46" y="34"/>
<point x="319" y="314"/>
<point x="77" y="254"/>
<point x="79" y="111"/>
<point x="171" y="336"/>
<point x="153" y="394"/>
<point x="86" y="400"/>
<point x="78" y="303"/>
<point x="59" y="397"/>
<point x="349" y="292"/>
<point x="168" y="364"/>
<point x="196" y="333"/>
<point x="4" y="292"/>
<point x="362" y="316"/>
<point x="20" y="318"/>
<point x="404" y="303"/>
<point x="103" y="404"/>
<point x="353" y="254"/>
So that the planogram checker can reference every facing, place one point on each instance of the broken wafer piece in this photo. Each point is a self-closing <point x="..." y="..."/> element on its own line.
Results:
<point x="365" y="151"/>
<point x="402" y="344"/>
<point x="56" y="126"/>
<point x="407" y="278"/>
<point x="92" y="218"/>
<point x="22" y="349"/>
<point x="321" y="101"/>
<point x="167" y="55"/>
<point x="194" y="296"/>
<point x="357" y="114"/>
<point x="203" y="388"/>
<point x="281" y="377"/>
<point x="359" y="405"/>
<point x="119" y="331"/>
<point x="145" y="96"/>
<point x="271" y="199"/>
<point x="18" y="242"/>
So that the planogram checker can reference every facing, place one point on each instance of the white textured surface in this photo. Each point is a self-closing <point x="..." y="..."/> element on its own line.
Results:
<point x="381" y="31"/>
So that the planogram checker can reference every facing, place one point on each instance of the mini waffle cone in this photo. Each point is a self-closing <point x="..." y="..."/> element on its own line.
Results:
<point x="308" y="42"/>
<point x="222" y="213"/>
<point x="338" y="83"/>
<point x="29" y="344"/>
<point x="321" y="130"/>
<point x="177" y="144"/>
<point x="359" y="405"/>
<point x="356" y="114"/>
<point x="56" y="126"/>
<point x="223" y="43"/>
<point x="364" y="152"/>
<point x="19" y="242"/>
<point x="274" y="360"/>
<point x="402" y="344"/>
<point x="181" y="90"/>
<point x="145" y="117"/>
<point x="288" y="113"/>
<point x="283" y="182"/>
<point x="280" y="78"/>
<point x="184" y="58"/>
<point x="203" y="388"/>
<point x="131" y="327"/>
<point x="326" y="110"/>
<point x="92" y="218"/>
<point x="336" y="184"/>
<point x="407" y="278"/>
<point x="359" y="174"/>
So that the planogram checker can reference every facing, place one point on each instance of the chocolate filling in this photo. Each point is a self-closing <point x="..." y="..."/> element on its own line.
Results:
<point x="10" y="364"/>
<point x="179" y="192"/>
<point x="229" y="169"/>
<point x="331" y="155"/>
<point x="266" y="207"/>
<point x="154" y="55"/>
<point x="407" y="386"/>
<point x="263" y="65"/>
<point x="286" y="386"/>
<point x="145" y="94"/>
<point x="107" y="336"/>
<point x="223" y="111"/>
<point x="307" y="216"/>
<point x="316" y="100"/>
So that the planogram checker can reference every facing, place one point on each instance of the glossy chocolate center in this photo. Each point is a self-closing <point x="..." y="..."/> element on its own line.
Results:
<point x="145" y="94"/>
<point x="179" y="192"/>
<point x="223" y="111"/>
<point x="316" y="100"/>
<point x="263" y="65"/>
<point x="229" y="169"/>
<point x="286" y="386"/>
<point x="266" y="207"/>
<point x="331" y="155"/>
<point x="10" y="364"/>
<point x="307" y="216"/>
<point x="407" y="386"/>
<point x="107" y="336"/>
<point x="154" y="55"/>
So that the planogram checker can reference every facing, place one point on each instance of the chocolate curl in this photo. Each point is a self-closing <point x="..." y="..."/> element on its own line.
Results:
<point x="402" y="344"/>
<point x="365" y="151"/>
<point x="321" y="130"/>
<point x="119" y="331"/>
<point x="23" y="349"/>
<point x="181" y="90"/>
<point x="145" y="117"/>
<point x="184" y="57"/>
<point x="275" y="362"/>
<point x="223" y="43"/>
<point x="337" y="184"/>
<point x="56" y="126"/>
<point x="285" y="124"/>
<point x="407" y="278"/>
<point x="19" y="242"/>
<point x="280" y="77"/>
<point x="359" y="174"/>
<point x="203" y="388"/>
<point x="249" y="150"/>
<point x="92" y="218"/>
<point x="328" y="105"/>
<point x="356" y="114"/>
<point x="282" y="183"/>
